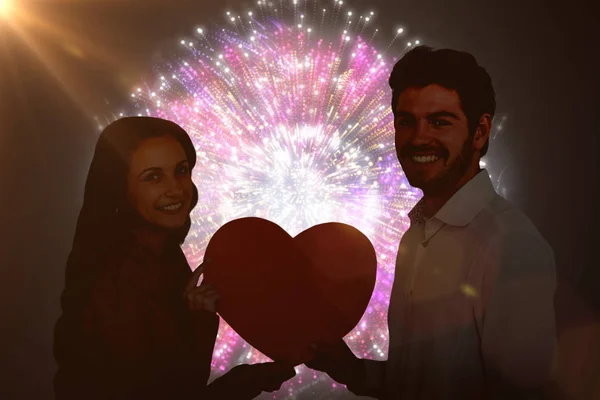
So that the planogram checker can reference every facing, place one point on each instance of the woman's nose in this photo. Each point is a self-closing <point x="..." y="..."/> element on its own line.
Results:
<point x="174" y="187"/>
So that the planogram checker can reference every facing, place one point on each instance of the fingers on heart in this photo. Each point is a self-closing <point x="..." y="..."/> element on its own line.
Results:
<point x="202" y="298"/>
<point x="199" y="290"/>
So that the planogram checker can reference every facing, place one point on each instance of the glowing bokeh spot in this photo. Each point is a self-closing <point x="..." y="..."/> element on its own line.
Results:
<point x="468" y="290"/>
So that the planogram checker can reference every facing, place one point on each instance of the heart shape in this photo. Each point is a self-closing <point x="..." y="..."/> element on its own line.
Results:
<point x="281" y="294"/>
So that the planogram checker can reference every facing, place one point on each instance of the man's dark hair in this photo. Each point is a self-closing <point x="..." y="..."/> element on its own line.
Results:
<point x="452" y="69"/>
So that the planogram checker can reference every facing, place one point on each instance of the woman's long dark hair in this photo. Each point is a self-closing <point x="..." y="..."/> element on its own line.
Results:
<point x="106" y="220"/>
<point x="106" y="214"/>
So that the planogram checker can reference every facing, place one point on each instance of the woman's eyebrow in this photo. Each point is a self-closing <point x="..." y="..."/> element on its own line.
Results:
<point x="149" y="169"/>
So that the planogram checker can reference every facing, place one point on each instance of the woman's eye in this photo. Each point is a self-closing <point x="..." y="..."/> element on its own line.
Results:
<point x="184" y="170"/>
<point x="152" y="177"/>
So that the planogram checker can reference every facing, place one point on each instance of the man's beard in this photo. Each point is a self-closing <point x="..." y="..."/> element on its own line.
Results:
<point x="448" y="178"/>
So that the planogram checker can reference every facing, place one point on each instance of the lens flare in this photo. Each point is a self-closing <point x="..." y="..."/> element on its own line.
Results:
<point x="5" y="8"/>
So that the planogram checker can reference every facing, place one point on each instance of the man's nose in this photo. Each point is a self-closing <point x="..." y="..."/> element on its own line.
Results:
<point x="423" y="133"/>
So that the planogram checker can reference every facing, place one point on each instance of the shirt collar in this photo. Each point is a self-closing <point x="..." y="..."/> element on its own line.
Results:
<point x="415" y="215"/>
<point x="464" y="205"/>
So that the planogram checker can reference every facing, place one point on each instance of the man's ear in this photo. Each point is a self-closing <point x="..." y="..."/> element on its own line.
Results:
<point x="482" y="132"/>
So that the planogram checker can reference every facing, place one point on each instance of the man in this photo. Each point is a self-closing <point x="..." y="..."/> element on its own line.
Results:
<point x="471" y="311"/>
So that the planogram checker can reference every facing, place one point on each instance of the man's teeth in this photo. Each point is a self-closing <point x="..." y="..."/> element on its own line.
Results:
<point x="425" y="159"/>
<point x="172" y="207"/>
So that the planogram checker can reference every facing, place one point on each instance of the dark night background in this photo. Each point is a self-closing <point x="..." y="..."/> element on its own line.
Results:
<point x="542" y="56"/>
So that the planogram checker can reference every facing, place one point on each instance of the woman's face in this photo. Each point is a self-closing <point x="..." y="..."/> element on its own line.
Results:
<point x="160" y="184"/>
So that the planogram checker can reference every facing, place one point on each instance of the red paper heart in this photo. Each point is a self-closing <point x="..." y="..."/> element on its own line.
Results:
<point x="281" y="293"/>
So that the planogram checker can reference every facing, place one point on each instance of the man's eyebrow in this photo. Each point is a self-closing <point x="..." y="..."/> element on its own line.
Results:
<point x="405" y="114"/>
<point x="442" y="114"/>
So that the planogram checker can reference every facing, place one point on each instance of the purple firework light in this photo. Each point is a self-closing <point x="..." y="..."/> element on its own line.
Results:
<point x="289" y="113"/>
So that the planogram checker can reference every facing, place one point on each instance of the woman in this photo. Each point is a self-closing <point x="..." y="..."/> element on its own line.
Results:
<point x="135" y="325"/>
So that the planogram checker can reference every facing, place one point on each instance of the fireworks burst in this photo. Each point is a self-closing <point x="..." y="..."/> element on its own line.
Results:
<point x="288" y="107"/>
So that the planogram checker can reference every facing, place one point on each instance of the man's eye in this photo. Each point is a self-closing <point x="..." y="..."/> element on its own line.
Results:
<point x="402" y="122"/>
<point x="440" y="122"/>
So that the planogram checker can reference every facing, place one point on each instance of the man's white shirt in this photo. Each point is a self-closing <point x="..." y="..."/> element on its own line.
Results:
<point x="471" y="312"/>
